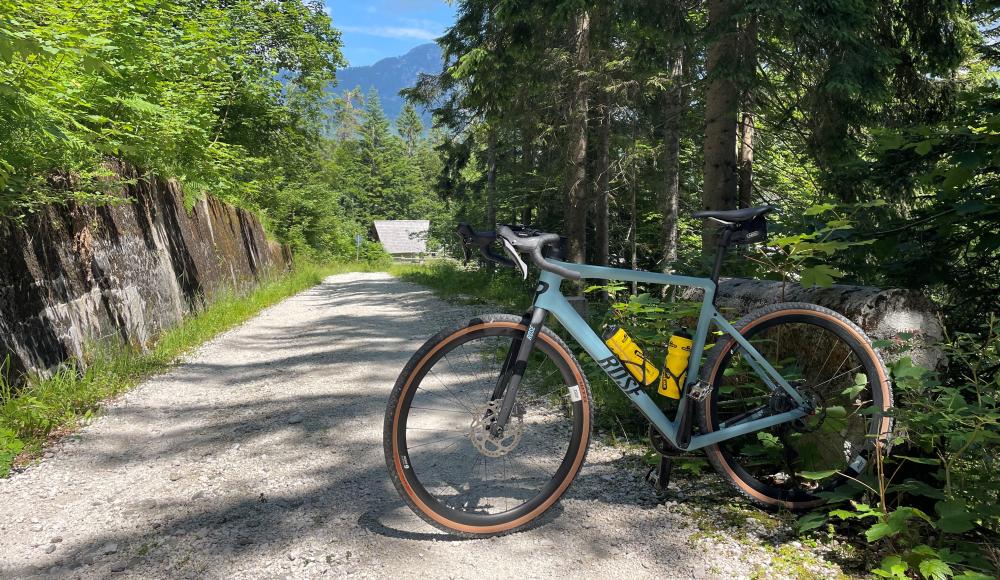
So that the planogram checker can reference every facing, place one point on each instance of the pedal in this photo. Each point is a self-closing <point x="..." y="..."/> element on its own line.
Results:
<point x="659" y="476"/>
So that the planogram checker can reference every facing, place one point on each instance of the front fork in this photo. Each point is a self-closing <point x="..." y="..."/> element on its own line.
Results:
<point x="513" y="369"/>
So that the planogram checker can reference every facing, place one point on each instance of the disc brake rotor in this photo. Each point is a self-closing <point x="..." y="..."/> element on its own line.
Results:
<point x="488" y="444"/>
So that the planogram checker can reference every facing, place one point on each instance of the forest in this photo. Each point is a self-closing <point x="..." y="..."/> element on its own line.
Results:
<point x="228" y="97"/>
<point x="874" y="126"/>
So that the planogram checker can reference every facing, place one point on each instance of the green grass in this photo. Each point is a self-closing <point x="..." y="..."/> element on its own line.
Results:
<point x="450" y="280"/>
<point x="43" y="407"/>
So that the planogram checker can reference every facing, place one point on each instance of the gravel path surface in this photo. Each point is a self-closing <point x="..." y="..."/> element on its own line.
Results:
<point x="261" y="457"/>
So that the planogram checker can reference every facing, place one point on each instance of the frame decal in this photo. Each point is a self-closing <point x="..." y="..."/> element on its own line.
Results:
<point x="619" y="375"/>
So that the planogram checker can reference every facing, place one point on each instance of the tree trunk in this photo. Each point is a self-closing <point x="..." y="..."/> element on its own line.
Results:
<point x="491" y="179"/>
<point x="603" y="169"/>
<point x="719" y="191"/>
<point x="576" y="175"/>
<point x="746" y="159"/>
<point x="670" y="201"/>
<point x="747" y="127"/>
<point x="633" y="227"/>
<point x="527" y="166"/>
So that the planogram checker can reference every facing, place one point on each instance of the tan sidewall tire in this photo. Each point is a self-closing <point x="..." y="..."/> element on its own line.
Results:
<point x="405" y="382"/>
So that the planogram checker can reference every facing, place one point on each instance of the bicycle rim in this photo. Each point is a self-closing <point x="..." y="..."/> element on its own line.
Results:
<point x="451" y="471"/>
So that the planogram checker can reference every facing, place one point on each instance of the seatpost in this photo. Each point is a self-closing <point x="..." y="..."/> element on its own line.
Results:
<point x="720" y="254"/>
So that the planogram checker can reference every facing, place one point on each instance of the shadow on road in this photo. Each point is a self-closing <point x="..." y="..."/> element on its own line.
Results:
<point x="285" y="444"/>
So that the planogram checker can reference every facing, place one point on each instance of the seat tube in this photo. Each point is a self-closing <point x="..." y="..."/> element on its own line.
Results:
<point x="720" y="254"/>
<point x="537" y="320"/>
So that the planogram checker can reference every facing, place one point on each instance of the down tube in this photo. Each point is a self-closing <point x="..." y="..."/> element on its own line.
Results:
<point x="550" y="299"/>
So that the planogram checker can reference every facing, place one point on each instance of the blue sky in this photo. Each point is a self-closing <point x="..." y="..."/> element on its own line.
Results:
<point x="378" y="29"/>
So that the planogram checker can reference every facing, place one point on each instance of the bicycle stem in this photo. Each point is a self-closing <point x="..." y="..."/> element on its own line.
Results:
<point x="519" y="365"/>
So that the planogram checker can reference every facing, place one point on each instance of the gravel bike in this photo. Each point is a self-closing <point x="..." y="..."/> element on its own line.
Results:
<point x="489" y="422"/>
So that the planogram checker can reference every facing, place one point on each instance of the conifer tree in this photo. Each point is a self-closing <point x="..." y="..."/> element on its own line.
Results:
<point x="410" y="127"/>
<point x="375" y="135"/>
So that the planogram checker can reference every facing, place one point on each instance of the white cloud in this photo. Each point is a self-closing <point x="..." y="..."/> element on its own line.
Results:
<point x="393" y="31"/>
<point x="420" y="23"/>
<point x="414" y="4"/>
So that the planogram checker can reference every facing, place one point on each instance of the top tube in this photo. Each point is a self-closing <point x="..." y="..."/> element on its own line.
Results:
<point x="605" y="273"/>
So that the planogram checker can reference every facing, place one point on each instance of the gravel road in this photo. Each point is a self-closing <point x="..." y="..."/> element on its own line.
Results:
<point x="261" y="456"/>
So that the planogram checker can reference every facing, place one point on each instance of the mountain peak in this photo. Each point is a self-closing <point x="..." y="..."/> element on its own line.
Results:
<point x="391" y="75"/>
<point x="429" y="54"/>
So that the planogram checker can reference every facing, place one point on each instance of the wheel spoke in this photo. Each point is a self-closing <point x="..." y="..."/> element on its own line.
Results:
<point x="457" y="457"/>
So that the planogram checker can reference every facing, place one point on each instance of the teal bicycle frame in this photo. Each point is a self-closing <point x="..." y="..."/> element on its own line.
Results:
<point x="549" y="299"/>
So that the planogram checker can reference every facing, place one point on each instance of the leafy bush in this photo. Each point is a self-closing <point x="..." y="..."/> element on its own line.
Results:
<point x="931" y="507"/>
<point x="184" y="89"/>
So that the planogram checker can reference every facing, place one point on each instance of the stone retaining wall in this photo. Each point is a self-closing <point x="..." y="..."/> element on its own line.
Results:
<point x="883" y="314"/>
<point x="130" y="270"/>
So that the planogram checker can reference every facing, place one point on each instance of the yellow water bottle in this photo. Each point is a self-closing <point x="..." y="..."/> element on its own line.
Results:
<point x="675" y="367"/>
<point x="627" y="351"/>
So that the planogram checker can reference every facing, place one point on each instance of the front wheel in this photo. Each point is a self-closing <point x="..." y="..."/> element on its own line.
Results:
<point x="831" y="362"/>
<point x="445" y="461"/>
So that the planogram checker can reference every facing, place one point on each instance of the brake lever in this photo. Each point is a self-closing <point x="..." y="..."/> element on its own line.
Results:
<point x="515" y="258"/>
<point x="492" y="256"/>
<point x="483" y="241"/>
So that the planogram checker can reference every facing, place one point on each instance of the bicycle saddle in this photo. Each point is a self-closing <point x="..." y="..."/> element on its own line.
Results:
<point x="736" y="215"/>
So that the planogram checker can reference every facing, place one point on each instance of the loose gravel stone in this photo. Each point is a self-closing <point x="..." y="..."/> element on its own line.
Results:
<point x="315" y="499"/>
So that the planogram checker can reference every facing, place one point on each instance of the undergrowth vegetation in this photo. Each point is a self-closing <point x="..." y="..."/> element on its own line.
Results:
<point x="452" y="281"/>
<point x="43" y="406"/>
<point x="930" y="507"/>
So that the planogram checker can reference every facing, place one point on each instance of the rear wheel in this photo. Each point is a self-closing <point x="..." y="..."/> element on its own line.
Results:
<point x="831" y="362"/>
<point x="441" y="455"/>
